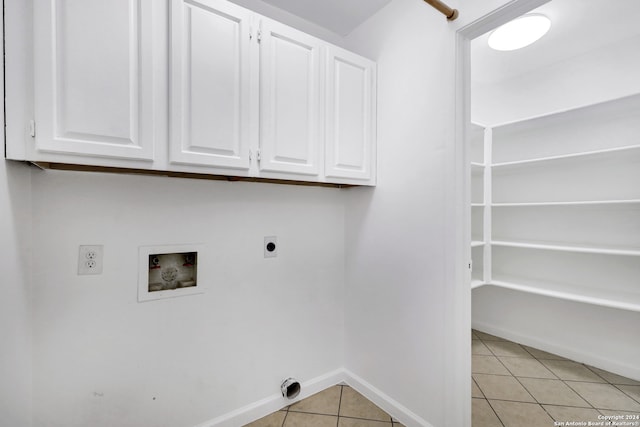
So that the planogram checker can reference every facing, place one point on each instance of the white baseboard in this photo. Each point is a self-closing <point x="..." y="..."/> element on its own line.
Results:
<point x="588" y="358"/>
<point x="390" y="406"/>
<point x="275" y="402"/>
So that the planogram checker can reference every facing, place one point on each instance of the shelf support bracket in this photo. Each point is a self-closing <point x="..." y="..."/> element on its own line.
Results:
<point x="450" y="13"/>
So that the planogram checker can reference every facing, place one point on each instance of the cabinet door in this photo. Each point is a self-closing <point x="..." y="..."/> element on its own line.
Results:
<point x="93" y="78"/>
<point x="350" y="117"/>
<point x="290" y="100"/>
<point x="210" y="79"/>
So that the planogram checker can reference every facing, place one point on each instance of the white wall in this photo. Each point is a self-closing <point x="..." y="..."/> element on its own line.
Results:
<point x="603" y="74"/>
<point x="397" y="319"/>
<point x="15" y="303"/>
<point x="103" y="359"/>
<point x="603" y="337"/>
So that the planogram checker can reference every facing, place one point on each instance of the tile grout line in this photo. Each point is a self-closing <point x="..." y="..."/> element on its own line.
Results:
<point x="520" y="382"/>
<point x="512" y="374"/>
<point x="285" y="415"/>
<point x="491" y="406"/>
<point x="588" y="382"/>
<point x="339" y="405"/>
<point x="478" y="385"/>
<point x="484" y="397"/>
<point x="556" y="375"/>
<point x="591" y="405"/>
<point x="553" y="373"/>
<point x="617" y="386"/>
<point x="494" y="411"/>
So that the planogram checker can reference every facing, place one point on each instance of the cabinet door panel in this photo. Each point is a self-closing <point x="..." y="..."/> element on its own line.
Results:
<point x="290" y="101"/>
<point x="93" y="77"/>
<point x="350" y="128"/>
<point x="210" y="84"/>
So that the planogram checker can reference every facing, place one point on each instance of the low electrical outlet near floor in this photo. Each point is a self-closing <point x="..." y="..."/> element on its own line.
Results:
<point x="90" y="259"/>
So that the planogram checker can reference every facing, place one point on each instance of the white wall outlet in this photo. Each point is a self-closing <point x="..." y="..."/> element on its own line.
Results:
<point x="90" y="259"/>
<point x="270" y="247"/>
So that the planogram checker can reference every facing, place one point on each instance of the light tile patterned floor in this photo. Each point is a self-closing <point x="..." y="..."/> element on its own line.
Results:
<point x="518" y="386"/>
<point x="338" y="406"/>
<point x="512" y="386"/>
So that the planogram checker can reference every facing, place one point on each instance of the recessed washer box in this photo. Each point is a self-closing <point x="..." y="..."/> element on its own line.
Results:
<point x="167" y="271"/>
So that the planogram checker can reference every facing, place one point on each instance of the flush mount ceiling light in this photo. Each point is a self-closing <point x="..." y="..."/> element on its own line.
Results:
<point x="519" y="33"/>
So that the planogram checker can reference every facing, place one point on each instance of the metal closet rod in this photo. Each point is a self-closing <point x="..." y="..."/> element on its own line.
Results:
<point x="450" y="13"/>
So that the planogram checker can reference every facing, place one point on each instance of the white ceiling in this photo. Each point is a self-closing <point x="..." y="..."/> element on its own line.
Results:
<point x="339" y="16"/>
<point x="577" y="27"/>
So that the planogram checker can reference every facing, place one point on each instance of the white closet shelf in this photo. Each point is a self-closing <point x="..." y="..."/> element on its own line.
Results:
<point x="566" y="156"/>
<point x="575" y="203"/>
<point x="477" y="205"/>
<point x="605" y="108"/>
<point x="476" y="243"/>
<point x="625" y="300"/>
<point x="567" y="248"/>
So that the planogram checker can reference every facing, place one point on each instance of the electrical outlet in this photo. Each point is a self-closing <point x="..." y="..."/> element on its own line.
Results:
<point x="270" y="247"/>
<point x="90" y="259"/>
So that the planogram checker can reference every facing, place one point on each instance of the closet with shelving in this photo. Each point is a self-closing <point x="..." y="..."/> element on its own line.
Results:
<point x="555" y="205"/>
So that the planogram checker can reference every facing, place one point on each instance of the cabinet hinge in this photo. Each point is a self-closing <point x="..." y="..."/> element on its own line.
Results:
<point x="258" y="156"/>
<point x="250" y="33"/>
<point x="250" y="156"/>
<point x="470" y="265"/>
<point x="32" y="128"/>
<point x="259" y="36"/>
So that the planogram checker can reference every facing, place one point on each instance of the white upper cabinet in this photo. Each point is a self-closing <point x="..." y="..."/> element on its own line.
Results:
<point x="184" y="86"/>
<point x="210" y="84"/>
<point x="93" y="78"/>
<point x="350" y="116"/>
<point x="290" y="113"/>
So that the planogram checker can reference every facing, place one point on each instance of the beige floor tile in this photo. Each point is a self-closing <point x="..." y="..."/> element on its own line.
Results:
<point x="355" y="405"/>
<point x="475" y="390"/>
<point x="503" y="348"/>
<point x="273" y="420"/>
<point x="487" y="365"/>
<point x="539" y="354"/>
<point x="478" y="347"/>
<point x="571" y="371"/>
<point x="565" y="414"/>
<point x="631" y="390"/>
<point x="487" y="337"/>
<point x="502" y="388"/>
<point x="356" y="422"/>
<point x="482" y="415"/>
<point x="604" y="396"/>
<point x="326" y="402"/>
<point x="395" y="424"/>
<point x="300" y="419"/>
<point x="553" y="392"/>
<point x="526" y="367"/>
<point x="518" y="414"/>
<point x="474" y="335"/>
<point x="614" y="378"/>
